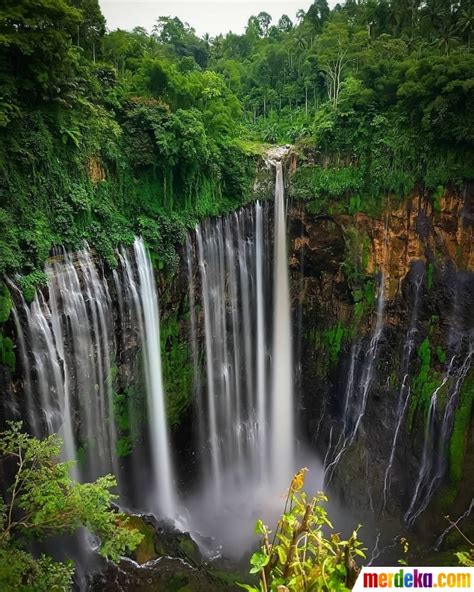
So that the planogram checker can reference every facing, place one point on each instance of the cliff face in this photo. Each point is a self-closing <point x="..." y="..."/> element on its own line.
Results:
<point x="384" y="319"/>
<point x="383" y="314"/>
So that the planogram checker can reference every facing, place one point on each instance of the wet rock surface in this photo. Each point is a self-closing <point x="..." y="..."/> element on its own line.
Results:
<point x="166" y="560"/>
<point x="410" y="242"/>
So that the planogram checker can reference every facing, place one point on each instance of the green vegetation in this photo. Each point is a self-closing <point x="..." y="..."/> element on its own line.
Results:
<point x="5" y="304"/>
<point x="7" y="354"/>
<point x="333" y="340"/>
<point x="457" y="444"/>
<point x="425" y="382"/>
<point x="177" y="370"/>
<point x="105" y="135"/>
<point x="130" y="415"/>
<point x="304" y="552"/>
<point x="299" y="555"/>
<point x="42" y="501"/>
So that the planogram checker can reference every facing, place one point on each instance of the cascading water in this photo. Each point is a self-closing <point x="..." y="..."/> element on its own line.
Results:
<point x="405" y="390"/>
<point x="262" y="410"/>
<point x="357" y="390"/>
<point x="245" y="411"/>
<point x="67" y="354"/>
<point x="147" y="303"/>
<point x="433" y="460"/>
<point x="68" y="349"/>
<point x="233" y="422"/>
<point x="282" y="437"/>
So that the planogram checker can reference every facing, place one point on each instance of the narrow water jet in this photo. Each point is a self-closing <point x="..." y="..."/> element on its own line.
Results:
<point x="158" y="425"/>
<point x="405" y="389"/>
<point x="282" y="407"/>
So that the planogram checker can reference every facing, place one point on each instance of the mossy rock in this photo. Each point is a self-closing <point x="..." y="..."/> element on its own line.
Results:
<point x="189" y="548"/>
<point x="5" y="304"/>
<point x="160" y="540"/>
<point x="146" y="550"/>
<point x="7" y="355"/>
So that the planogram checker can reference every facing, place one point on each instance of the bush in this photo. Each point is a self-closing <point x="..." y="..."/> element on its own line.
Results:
<point x="301" y="556"/>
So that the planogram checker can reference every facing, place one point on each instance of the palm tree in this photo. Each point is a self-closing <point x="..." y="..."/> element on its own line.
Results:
<point x="300" y="44"/>
<point x="433" y="13"/>
<point x="466" y="23"/>
<point x="300" y="15"/>
<point x="447" y="36"/>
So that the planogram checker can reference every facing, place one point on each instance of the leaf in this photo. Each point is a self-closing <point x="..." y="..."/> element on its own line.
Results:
<point x="247" y="587"/>
<point x="282" y="556"/>
<point x="260" y="527"/>
<point x="258" y="560"/>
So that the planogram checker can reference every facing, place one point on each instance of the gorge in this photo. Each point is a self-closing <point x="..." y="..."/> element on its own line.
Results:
<point x="90" y="342"/>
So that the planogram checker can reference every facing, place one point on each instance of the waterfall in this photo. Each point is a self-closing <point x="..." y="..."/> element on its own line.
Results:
<point x="232" y="417"/>
<point x="245" y="418"/>
<point x="358" y="388"/>
<point x="405" y="390"/>
<point x="208" y="261"/>
<point x="282" y="437"/>
<point x="436" y="438"/>
<point x="261" y="342"/>
<point x="68" y="351"/>
<point x="243" y="377"/>
<point x="66" y="355"/>
<point x="141" y="288"/>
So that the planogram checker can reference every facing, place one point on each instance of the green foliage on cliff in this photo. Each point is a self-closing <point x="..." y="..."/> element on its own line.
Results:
<point x="7" y="354"/>
<point x="104" y="137"/>
<point x="333" y="339"/>
<point x="42" y="501"/>
<point x="177" y="370"/>
<point x="130" y="414"/>
<point x="425" y="382"/>
<point x="5" y="303"/>
<point x="457" y="444"/>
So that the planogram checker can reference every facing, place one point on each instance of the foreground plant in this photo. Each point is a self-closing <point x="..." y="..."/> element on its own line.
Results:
<point x="303" y="554"/>
<point x="43" y="501"/>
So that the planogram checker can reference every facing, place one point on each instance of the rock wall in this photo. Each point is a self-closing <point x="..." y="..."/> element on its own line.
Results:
<point x="422" y="251"/>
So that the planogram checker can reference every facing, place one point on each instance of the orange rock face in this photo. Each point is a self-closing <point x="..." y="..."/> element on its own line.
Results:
<point x="415" y="231"/>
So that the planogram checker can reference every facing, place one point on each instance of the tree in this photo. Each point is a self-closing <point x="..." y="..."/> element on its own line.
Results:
<point x="466" y="23"/>
<point x="253" y="31"/>
<point x="92" y="28"/>
<point x="300" y="15"/>
<point x="182" y="38"/>
<point x="42" y="501"/>
<point x="318" y="14"/>
<point x="171" y="30"/>
<point x="285" y="24"/>
<point x="264" y="20"/>
<point x="37" y="46"/>
<point x="432" y="15"/>
<point x="333" y="67"/>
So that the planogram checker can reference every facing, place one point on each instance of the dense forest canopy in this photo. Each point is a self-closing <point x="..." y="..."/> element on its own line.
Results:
<point x="104" y="132"/>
